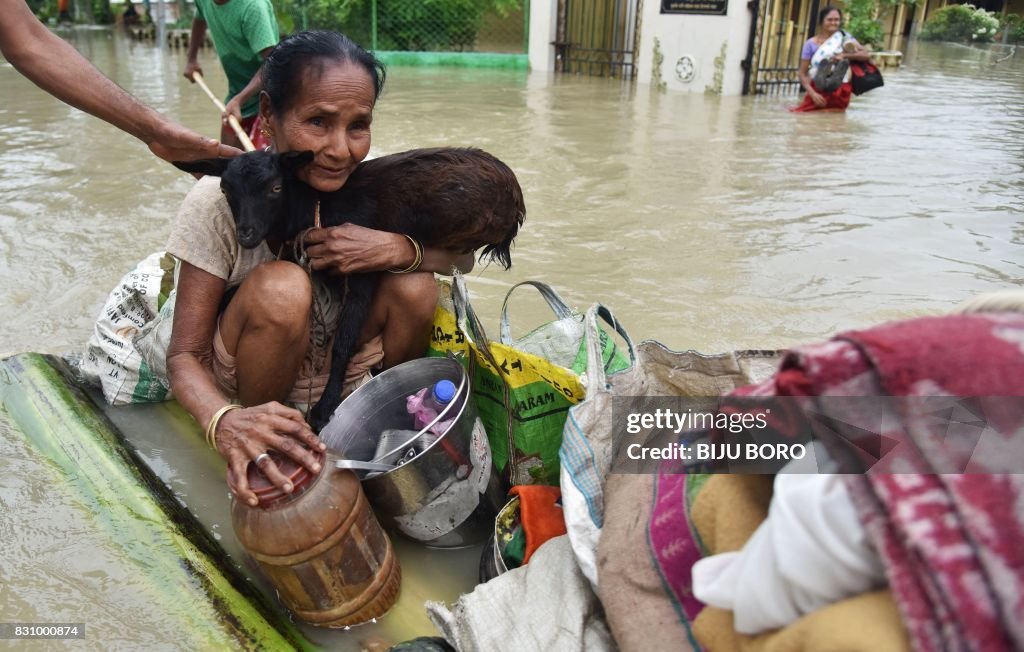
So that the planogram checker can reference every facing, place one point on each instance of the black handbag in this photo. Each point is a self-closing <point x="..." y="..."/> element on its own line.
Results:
<point x="830" y="75"/>
<point x="864" y="77"/>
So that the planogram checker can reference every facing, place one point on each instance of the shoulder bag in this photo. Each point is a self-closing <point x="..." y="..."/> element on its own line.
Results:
<point x="864" y="77"/>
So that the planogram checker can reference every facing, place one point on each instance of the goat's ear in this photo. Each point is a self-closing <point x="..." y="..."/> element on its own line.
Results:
<point x="292" y="161"/>
<point x="211" y="166"/>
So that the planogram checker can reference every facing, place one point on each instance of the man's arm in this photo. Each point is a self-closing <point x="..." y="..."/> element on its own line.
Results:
<point x="255" y="85"/>
<point x="260" y="27"/>
<point x="195" y="41"/>
<point x="56" y="67"/>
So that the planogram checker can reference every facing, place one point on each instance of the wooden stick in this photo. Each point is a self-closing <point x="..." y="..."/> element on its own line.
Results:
<point x="242" y="136"/>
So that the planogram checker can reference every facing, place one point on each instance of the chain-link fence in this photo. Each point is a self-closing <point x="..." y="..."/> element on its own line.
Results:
<point x="484" y="26"/>
<point x="492" y="26"/>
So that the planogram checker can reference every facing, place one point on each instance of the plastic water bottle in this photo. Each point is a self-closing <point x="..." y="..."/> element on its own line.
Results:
<point x="441" y="394"/>
<point x="426" y="404"/>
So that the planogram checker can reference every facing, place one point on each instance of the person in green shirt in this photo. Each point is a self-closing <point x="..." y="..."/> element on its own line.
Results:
<point x="244" y="32"/>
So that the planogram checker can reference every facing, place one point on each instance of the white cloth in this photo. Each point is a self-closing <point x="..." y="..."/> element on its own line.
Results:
<point x="830" y="48"/>
<point x="810" y="552"/>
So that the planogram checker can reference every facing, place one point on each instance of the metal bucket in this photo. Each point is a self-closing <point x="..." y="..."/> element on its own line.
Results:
<point x="448" y="494"/>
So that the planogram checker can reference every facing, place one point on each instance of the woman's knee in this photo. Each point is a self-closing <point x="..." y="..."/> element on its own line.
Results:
<point x="277" y="293"/>
<point x="405" y="307"/>
<point x="414" y="294"/>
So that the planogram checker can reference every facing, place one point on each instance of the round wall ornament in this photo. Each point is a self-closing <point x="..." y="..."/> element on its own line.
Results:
<point x="686" y="68"/>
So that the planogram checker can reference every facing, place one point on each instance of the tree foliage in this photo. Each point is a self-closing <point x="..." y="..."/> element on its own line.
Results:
<point x="315" y="14"/>
<point x="862" y="22"/>
<point x="411" y="25"/>
<point x="430" y="24"/>
<point x="962" y="24"/>
<point x="1015" y="27"/>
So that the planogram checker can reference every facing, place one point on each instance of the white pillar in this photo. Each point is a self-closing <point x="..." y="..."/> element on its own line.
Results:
<point x="543" y="26"/>
<point x="697" y="40"/>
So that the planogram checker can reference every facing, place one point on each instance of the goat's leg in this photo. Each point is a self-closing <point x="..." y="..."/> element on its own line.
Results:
<point x="361" y="288"/>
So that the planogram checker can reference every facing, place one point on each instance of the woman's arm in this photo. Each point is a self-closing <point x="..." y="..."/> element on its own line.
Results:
<point x="349" y="248"/>
<point x="805" y="80"/>
<point x="803" y="76"/>
<point x="860" y="54"/>
<point x="242" y="435"/>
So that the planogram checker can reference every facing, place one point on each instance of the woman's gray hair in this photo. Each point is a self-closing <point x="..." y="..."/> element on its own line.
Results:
<point x="285" y="68"/>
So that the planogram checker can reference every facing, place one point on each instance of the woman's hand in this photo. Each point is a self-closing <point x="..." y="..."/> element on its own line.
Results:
<point x="244" y="435"/>
<point x="349" y="249"/>
<point x="817" y="98"/>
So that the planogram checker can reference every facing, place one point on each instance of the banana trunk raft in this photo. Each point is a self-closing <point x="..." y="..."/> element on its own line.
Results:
<point x="124" y="460"/>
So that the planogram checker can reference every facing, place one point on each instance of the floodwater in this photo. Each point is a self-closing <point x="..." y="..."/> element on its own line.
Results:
<point x="705" y="223"/>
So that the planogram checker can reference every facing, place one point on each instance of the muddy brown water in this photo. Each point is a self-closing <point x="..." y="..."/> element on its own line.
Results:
<point x="706" y="223"/>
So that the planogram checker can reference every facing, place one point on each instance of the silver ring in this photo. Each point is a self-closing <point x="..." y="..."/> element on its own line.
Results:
<point x="259" y="458"/>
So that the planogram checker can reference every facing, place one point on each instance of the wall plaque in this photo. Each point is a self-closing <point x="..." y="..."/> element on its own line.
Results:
<point x="710" y="7"/>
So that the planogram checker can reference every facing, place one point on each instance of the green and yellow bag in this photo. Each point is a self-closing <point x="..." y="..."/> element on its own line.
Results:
<point x="523" y="388"/>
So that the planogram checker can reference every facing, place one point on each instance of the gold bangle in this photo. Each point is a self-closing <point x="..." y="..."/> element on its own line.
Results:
<point x="417" y="261"/>
<point x="211" y="429"/>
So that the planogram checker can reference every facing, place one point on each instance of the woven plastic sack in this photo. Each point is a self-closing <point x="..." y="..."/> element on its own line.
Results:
<point x="127" y="324"/>
<point x="522" y="396"/>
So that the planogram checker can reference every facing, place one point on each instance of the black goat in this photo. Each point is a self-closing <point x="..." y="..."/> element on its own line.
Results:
<point x="454" y="198"/>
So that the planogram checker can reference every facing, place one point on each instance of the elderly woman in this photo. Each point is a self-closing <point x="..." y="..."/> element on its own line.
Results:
<point x="243" y="329"/>
<point x="829" y="43"/>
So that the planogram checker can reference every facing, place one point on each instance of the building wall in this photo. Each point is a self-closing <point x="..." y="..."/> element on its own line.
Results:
<point x="716" y="46"/>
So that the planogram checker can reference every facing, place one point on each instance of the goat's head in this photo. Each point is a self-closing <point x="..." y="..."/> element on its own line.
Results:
<point x="255" y="185"/>
<point x="485" y="199"/>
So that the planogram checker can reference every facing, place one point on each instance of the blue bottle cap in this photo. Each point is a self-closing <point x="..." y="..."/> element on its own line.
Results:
<point x="444" y="391"/>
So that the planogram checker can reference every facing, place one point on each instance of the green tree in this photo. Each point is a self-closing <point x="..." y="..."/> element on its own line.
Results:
<point x="429" y="24"/>
<point x="43" y="9"/>
<point x="83" y="11"/>
<point x="410" y="25"/>
<point x="294" y="15"/>
<point x="102" y="14"/>
<point x="862" y="21"/>
<point x="962" y="24"/>
<point x="1014" y="24"/>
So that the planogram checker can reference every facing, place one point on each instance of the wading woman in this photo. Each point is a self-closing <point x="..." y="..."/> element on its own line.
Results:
<point x="830" y="43"/>
<point x="243" y="329"/>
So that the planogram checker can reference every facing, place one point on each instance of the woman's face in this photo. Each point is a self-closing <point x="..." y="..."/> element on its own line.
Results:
<point x="832" y="22"/>
<point x="331" y="116"/>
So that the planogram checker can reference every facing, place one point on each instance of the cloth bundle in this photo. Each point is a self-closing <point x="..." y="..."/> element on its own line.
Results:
<point x="949" y="542"/>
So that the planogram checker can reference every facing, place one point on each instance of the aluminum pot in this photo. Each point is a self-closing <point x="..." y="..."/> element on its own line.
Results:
<point x="448" y="494"/>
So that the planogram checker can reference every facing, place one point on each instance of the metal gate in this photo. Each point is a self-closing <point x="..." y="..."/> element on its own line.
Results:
<point x="597" y="37"/>
<point x="782" y="27"/>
